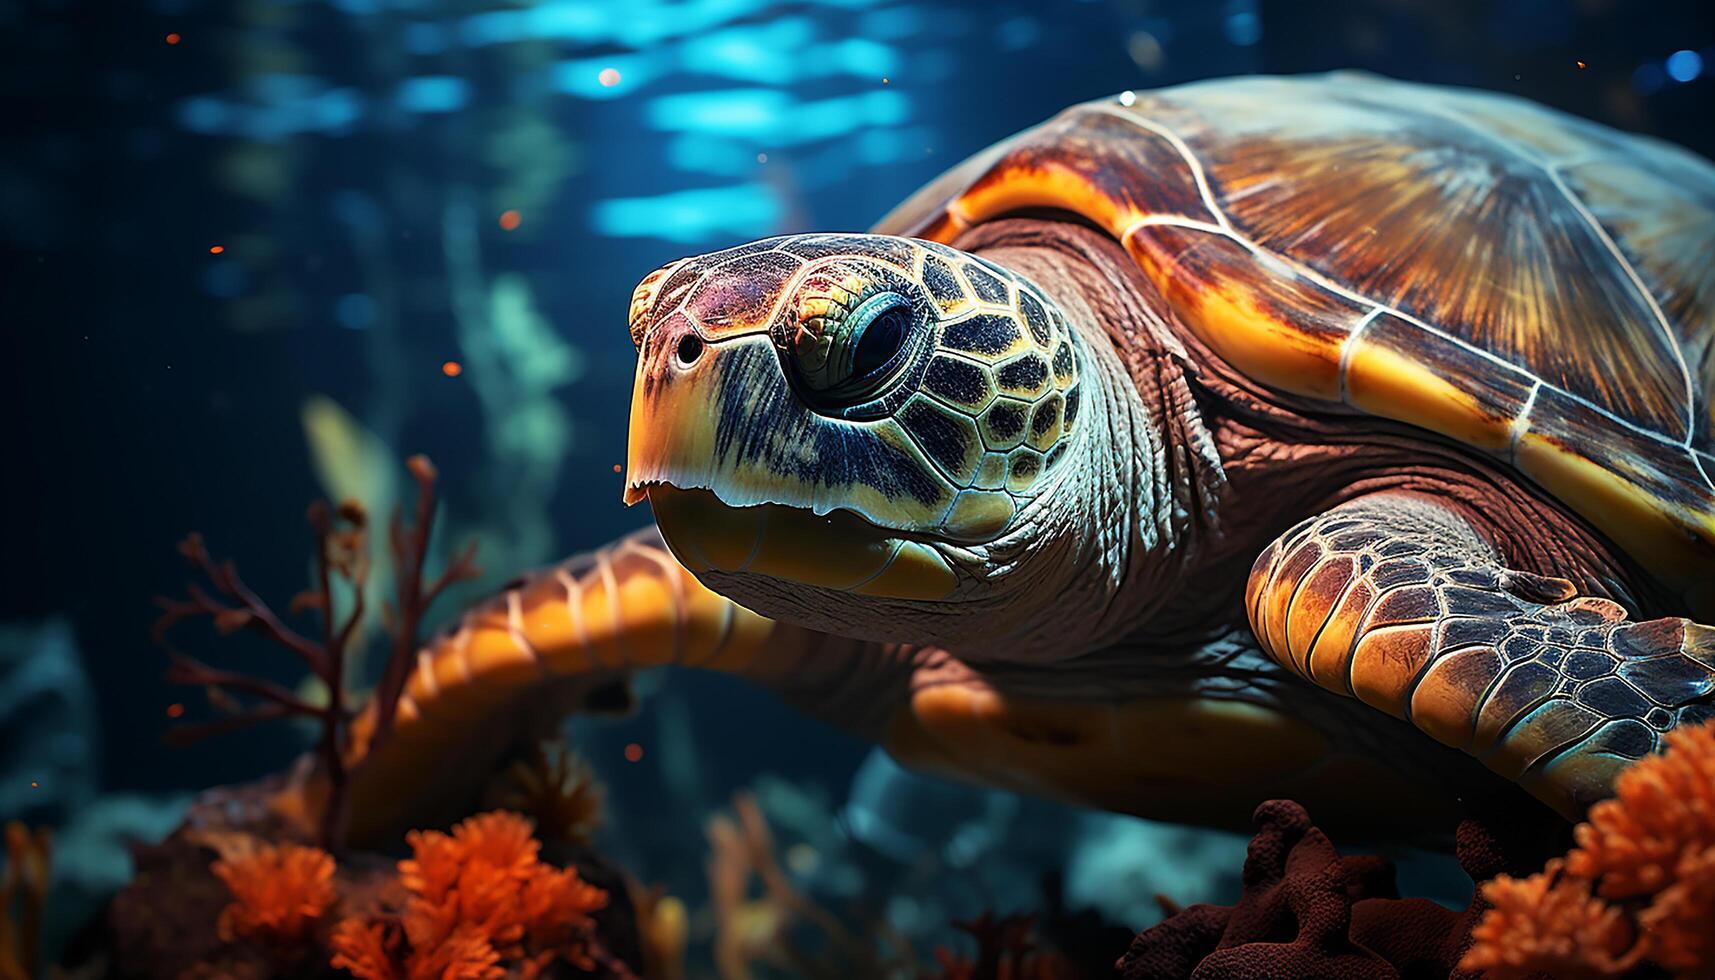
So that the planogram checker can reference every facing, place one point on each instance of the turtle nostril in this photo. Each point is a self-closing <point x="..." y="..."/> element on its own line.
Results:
<point x="690" y="348"/>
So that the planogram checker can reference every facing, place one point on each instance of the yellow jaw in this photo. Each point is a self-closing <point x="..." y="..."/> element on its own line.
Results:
<point x="837" y="551"/>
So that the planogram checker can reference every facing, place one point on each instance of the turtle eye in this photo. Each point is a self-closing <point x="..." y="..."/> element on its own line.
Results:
<point x="880" y="341"/>
<point x="857" y="354"/>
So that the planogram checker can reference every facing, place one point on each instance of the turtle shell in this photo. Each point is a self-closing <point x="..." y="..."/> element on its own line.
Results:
<point x="1536" y="286"/>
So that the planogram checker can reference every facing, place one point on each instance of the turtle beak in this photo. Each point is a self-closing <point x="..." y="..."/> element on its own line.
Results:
<point x="729" y="461"/>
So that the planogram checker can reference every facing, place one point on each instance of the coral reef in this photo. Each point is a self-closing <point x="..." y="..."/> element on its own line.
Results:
<point x="765" y="925"/>
<point x="481" y="903"/>
<point x="1006" y="950"/>
<point x="1306" y="910"/>
<point x="752" y="931"/>
<point x="279" y="891"/>
<point x="24" y="885"/>
<point x="1639" y="887"/>
<point x="1634" y="897"/>
<point x="342" y="561"/>
<point x="555" y="787"/>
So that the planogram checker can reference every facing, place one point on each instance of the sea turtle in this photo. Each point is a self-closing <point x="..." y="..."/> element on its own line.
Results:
<point x="1258" y="437"/>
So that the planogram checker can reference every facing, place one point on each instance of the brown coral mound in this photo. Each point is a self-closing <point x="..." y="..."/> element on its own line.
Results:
<point x="1308" y="911"/>
<point x="481" y="902"/>
<point x="1640" y="885"/>
<point x="279" y="892"/>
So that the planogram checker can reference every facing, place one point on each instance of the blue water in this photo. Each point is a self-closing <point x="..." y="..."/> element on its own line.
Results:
<point x="236" y="265"/>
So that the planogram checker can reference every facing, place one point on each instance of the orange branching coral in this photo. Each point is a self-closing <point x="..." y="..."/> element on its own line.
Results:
<point x="556" y="788"/>
<point x="1663" y="812"/>
<point x="1548" y="923"/>
<point x="481" y="899"/>
<point x="279" y="892"/>
<point x="1681" y="920"/>
<point x="1640" y="885"/>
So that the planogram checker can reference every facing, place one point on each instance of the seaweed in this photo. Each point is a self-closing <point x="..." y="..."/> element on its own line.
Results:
<point x="24" y="884"/>
<point x="752" y="931"/>
<point x="1006" y="950"/>
<point x="342" y="559"/>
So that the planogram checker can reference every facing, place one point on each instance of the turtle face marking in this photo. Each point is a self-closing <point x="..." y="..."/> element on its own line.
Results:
<point x="924" y="391"/>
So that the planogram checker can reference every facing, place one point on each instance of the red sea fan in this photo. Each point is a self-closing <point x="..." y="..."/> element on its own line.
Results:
<point x="279" y="892"/>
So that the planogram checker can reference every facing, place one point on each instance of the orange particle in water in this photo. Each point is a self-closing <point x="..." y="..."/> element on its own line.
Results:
<point x="175" y="709"/>
<point x="510" y="220"/>
<point x="452" y="369"/>
<point x="633" y="752"/>
<point x="885" y="80"/>
<point x="1581" y="64"/>
<point x="216" y="249"/>
<point x="608" y="78"/>
<point x="35" y="785"/>
<point x="173" y="38"/>
<point x="618" y="468"/>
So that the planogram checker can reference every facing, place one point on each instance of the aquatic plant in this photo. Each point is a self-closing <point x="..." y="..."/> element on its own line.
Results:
<point x="662" y="930"/>
<point x="1638" y="887"/>
<point x="753" y="930"/>
<point x="481" y="903"/>
<point x="24" y="885"/>
<point x="1006" y="950"/>
<point x="342" y="559"/>
<point x="279" y="891"/>
<point x="555" y="787"/>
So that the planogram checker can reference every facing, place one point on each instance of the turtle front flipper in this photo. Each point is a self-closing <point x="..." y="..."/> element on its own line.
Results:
<point x="1395" y="599"/>
<point x="550" y="641"/>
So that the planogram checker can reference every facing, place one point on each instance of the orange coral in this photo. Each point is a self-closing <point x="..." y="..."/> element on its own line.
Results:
<point x="1550" y="924"/>
<point x="1663" y="812"/>
<point x="279" y="892"/>
<point x="1639" y="885"/>
<point x="480" y="898"/>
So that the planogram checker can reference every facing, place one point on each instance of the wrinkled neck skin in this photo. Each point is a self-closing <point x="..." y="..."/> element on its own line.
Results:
<point x="1096" y="554"/>
<point x="1102" y="547"/>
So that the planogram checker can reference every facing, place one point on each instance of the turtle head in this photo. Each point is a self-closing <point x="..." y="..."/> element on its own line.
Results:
<point x="852" y="432"/>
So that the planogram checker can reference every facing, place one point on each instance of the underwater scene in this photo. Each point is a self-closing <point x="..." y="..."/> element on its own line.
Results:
<point x="745" y="489"/>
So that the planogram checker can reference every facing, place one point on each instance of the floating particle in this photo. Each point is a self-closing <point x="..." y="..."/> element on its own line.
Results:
<point x="762" y="158"/>
<point x="216" y="249"/>
<point x="1581" y="64"/>
<point x="633" y="752"/>
<point x="618" y="468"/>
<point x="35" y="785"/>
<point x="608" y="78"/>
<point x="510" y="220"/>
<point x="1128" y="97"/>
<point x="885" y="80"/>
<point x="174" y="38"/>
<point x="175" y="710"/>
<point x="452" y="369"/>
